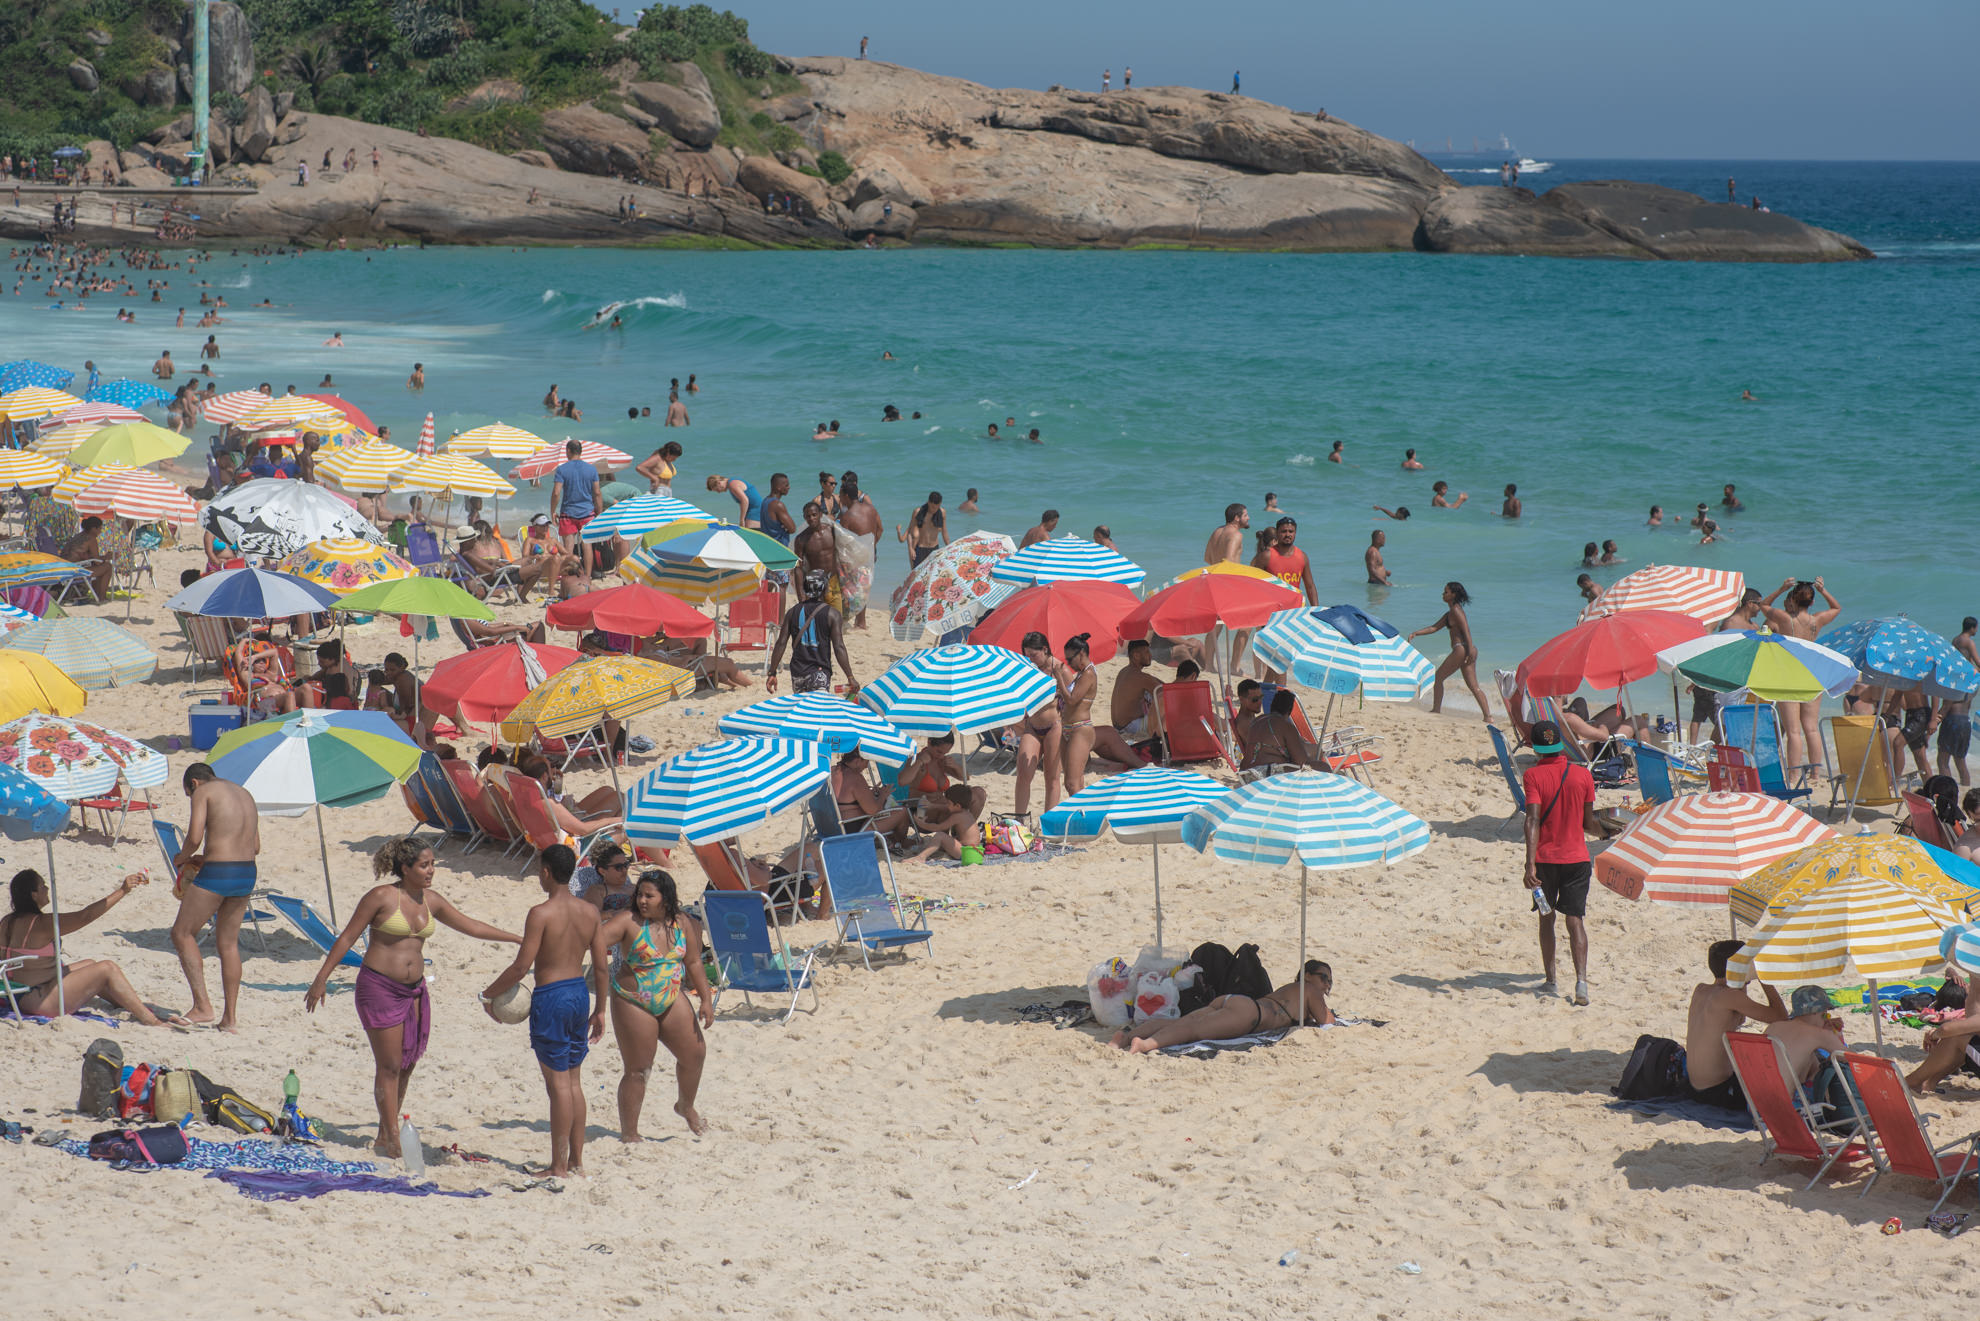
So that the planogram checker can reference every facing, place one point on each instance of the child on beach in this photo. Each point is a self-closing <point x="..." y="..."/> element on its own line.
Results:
<point x="563" y="1023"/>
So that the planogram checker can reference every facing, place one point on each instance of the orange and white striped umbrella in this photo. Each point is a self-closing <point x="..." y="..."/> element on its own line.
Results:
<point x="33" y="402"/>
<point x="99" y="413"/>
<point x="234" y="405"/>
<point x="498" y="439"/>
<point x="451" y="474"/>
<point x="142" y="497"/>
<point x="291" y="410"/>
<point x="1695" y="848"/>
<point x="60" y="442"/>
<point x="425" y="446"/>
<point x="544" y="461"/>
<point x="1707" y="595"/>
<point x="28" y="470"/>
<point x="363" y="468"/>
<point x="66" y="490"/>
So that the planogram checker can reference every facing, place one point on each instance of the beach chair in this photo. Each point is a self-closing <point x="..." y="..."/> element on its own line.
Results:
<point x="480" y="806"/>
<point x="522" y="796"/>
<point x="866" y="905"/>
<point x="1729" y="772"/>
<point x="1511" y="774"/>
<point x="751" y="619"/>
<point x="1923" y="821"/>
<point x="467" y="639"/>
<point x="501" y="579"/>
<point x="1781" y="1109"/>
<point x="170" y="842"/>
<point x="1002" y="748"/>
<point x="722" y="862"/>
<point x="1736" y="720"/>
<point x="1903" y="1145"/>
<point x="423" y="550"/>
<point x="1183" y="714"/>
<point x="1653" y="772"/>
<point x="119" y="801"/>
<point x="823" y="811"/>
<point x="312" y="927"/>
<point x="439" y="806"/>
<point x="8" y="986"/>
<point x="750" y="954"/>
<point x="1861" y="751"/>
<point x="1518" y="706"/>
<point x="207" y="639"/>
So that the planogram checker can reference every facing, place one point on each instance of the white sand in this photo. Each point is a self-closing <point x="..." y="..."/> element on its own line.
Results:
<point x="862" y="1160"/>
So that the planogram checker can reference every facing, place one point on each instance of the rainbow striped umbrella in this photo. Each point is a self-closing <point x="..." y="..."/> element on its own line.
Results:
<point x="717" y="546"/>
<point x="141" y="497"/>
<point x="451" y="475"/>
<point x="365" y="468"/>
<point x="1771" y="666"/>
<point x="1695" y="848"/>
<point x="344" y="564"/>
<point x="634" y="517"/>
<point x="497" y="439"/>
<point x="34" y="402"/>
<point x="693" y="583"/>
<point x="234" y="405"/>
<point x="32" y="568"/>
<point x="27" y="470"/>
<point x="541" y="463"/>
<point x="93" y="652"/>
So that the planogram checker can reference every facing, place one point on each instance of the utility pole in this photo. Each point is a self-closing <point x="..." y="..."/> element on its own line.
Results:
<point x="201" y="107"/>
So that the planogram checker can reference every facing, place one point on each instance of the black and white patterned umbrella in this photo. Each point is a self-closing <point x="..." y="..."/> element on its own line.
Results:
<point x="274" y="516"/>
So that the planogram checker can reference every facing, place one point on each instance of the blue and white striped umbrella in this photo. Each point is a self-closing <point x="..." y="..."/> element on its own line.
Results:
<point x="822" y="718"/>
<point x="252" y="594"/>
<point x="1147" y="804"/>
<point x="1324" y="821"/>
<point x="1067" y="559"/>
<point x="1319" y="655"/>
<point x="639" y="515"/>
<point x="12" y="616"/>
<point x="719" y="790"/>
<point x="963" y="687"/>
<point x="1895" y="652"/>
<point x="95" y="653"/>
<point x="25" y="372"/>
<point x="128" y="393"/>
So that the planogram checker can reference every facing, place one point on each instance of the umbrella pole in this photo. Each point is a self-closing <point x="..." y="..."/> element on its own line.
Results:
<point x="55" y="919"/>
<point x="1299" y="973"/>
<point x="1876" y="1016"/>
<point x="1155" y="854"/>
<point x="323" y="848"/>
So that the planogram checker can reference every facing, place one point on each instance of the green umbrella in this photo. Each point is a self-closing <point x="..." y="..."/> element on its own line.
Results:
<point x="718" y="545"/>
<point x="435" y="597"/>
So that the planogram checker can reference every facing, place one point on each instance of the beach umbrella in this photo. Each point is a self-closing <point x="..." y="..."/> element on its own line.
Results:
<point x="313" y="759"/>
<point x="251" y="594"/>
<point x="717" y="546"/>
<point x="344" y="564"/>
<point x="97" y="411"/>
<point x="1064" y="558"/>
<point x="13" y="616"/>
<point x="95" y="653"/>
<point x="33" y="402"/>
<point x="419" y="597"/>
<point x="75" y="759"/>
<point x="1707" y="595"/>
<point x="425" y="445"/>
<point x="27" y="811"/>
<point x="485" y="684"/>
<point x="544" y="461"/>
<point x="1773" y="667"/>
<point x="1696" y="847"/>
<point x="289" y="410"/>
<point x="633" y="610"/>
<point x="128" y="394"/>
<point x="1060" y="610"/>
<point x="58" y="442"/>
<point x="1230" y="568"/>
<point x="691" y="582"/>
<point x="1147" y="804"/>
<point x="450" y="475"/>
<point x="25" y="372"/>
<point x="28" y="470"/>
<point x="365" y="467"/>
<point x="135" y="444"/>
<point x="1895" y="653"/>
<point x="231" y="407"/>
<point x="639" y="515"/>
<point x="1320" y="653"/>
<point x="593" y="688"/>
<point x="497" y="440"/>
<point x="347" y="412"/>
<point x="273" y="517"/>
<point x="32" y="568"/>
<point x="1899" y="859"/>
<point x="966" y="689"/>
<point x="1606" y="652"/>
<point x="951" y="589"/>
<point x="137" y="495"/>
<point x="719" y="790"/>
<point x="825" y="718"/>
<point x="1209" y="601"/>
<point x="1321" y="820"/>
<point x="65" y="491"/>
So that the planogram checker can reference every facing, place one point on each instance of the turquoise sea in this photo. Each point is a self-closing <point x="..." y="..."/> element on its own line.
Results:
<point x="1168" y="384"/>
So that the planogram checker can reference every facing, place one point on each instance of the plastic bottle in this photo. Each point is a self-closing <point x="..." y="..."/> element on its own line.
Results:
<point x="291" y="1089"/>
<point x="1289" y="1258"/>
<point x="1540" y="903"/>
<point x="409" y="1148"/>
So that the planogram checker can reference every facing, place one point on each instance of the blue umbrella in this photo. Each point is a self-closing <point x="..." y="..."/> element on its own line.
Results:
<point x="1066" y="559"/>
<point x="28" y="811"/>
<point x="1894" y="652"/>
<point x="1318" y="649"/>
<point x="25" y="373"/>
<point x="719" y="790"/>
<point x="639" y="515"/>
<point x="252" y="594"/>
<point x="822" y="718"/>
<point x="1148" y="803"/>
<point x="1963" y="870"/>
<point x="962" y="688"/>
<point x="127" y="393"/>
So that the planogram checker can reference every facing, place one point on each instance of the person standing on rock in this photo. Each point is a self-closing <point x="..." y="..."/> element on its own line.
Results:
<point x="1732" y="195"/>
<point x="374" y="160"/>
<point x="1127" y="77"/>
<point x="862" y="48"/>
<point x="1236" y="78"/>
<point x="1106" y="77"/>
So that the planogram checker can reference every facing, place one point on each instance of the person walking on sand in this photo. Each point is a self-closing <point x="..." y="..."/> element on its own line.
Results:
<point x="1464" y="653"/>
<point x="557" y="936"/>
<point x="659" y="947"/>
<point x="1560" y="814"/>
<point x="216" y="872"/>
<point x="393" y="1005"/>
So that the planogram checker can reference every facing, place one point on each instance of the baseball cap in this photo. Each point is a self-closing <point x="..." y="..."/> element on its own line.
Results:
<point x="1808" y="1000"/>
<point x="815" y="582"/>
<point x="1547" y="737"/>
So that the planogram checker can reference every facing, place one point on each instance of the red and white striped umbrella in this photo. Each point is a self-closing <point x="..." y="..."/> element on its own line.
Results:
<point x="234" y="405"/>
<point x="142" y="497"/>
<point x="1695" y="848"/>
<point x="1707" y="595"/>
<point x="544" y="461"/>
<point x="425" y="437"/>
<point x="105" y="413"/>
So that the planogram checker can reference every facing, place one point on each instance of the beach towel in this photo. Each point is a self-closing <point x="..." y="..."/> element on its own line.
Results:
<point x="1206" y="1049"/>
<point x="249" y="1155"/>
<point x="1683" y="1107"/>
<point x="383" y="1002"/>
<point x="286" y="1186"/>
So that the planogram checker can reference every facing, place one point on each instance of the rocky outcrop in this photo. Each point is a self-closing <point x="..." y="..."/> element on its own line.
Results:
<point x="759" y="175"/>
<point x="230" y="48"/>
<point x="255" y="134"/>
<point x="682" y="113"/>
<point x="155" y="89"/>
<point x="585" y="139"/>
<point x="496" y="91"/>
<point x="1508" y="222"/>
<point x="882" y="178"/>
<point x="82" y="75"/>
<point x="1681" y="226"/>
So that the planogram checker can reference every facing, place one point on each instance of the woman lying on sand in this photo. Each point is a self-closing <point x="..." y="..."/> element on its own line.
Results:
<point x="1237" y="1015"/>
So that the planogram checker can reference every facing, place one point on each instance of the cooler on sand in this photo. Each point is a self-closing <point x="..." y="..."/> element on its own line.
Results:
<point x="207" y="721"/>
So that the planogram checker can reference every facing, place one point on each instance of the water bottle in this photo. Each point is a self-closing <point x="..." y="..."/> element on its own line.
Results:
<point x="291" y="1089"/>
<point x="1289" y="1258"/>
<point x="409" y="1148"/>
<point x="1540" y="904"/>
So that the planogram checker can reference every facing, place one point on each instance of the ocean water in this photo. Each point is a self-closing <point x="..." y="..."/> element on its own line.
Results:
<point x="1166" y="385"/>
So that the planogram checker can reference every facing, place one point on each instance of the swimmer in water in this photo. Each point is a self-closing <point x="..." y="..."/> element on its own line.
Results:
<point x="1399" y="513"/>
<point x="886" y="357"/>
<point x="1409" y="462"/>
<point x="1334" y="455"/>
<point x="1511" y="508"/>
<point x="618" y="323"/>
<point x="1731" y="503"/>
<point x="1747" y="397"/>
<point x="1439" y="496"/>
<point x="1656" y="516"/>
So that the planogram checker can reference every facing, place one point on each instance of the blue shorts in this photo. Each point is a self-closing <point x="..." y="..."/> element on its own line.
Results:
<point x="229" y="880"/>
<point x="560" y="1023"/>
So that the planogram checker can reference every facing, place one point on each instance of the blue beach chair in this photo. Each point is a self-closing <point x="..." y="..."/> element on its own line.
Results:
<point x="740" y="926"/>
<point x="1511" y="772"/>
<point x="443" y="809"/>
<point x="313" y="928"/>
<point x="423" y="551"/>
<point x="1653" y="771"/>
<point x="865" y="905"/>
<point x="1737" y="722"/>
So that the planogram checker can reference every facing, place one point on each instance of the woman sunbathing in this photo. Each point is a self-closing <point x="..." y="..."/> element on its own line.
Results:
<point x="1238" y="1015"/>
<point x="29" y="932"/>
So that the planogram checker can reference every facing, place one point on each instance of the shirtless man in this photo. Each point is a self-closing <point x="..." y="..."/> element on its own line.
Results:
<point x="1439" y="496"/>
<point x="216" y="870"/>
<point x="1334" y="454"/>
<point x="564" y="1017"/>
<point x="1731" y="503"/>
<point x="1041" y="735"/>
<point x="1226" y="544"/>
<point x="1717" y="1009"/>
<point x="163" y="368"/>
<point x="968" y="506"/>
<point x="858" y="516"/>
<point x="1803" y="720"/>
<point x="1378" y="572"/>
<point x="1409" y="462"/>
<point x="1047" y="522"/>
<point x="1079" y="684"/>
<point x="1296" y="1003"/>
<point x="677" y="415"/>
<point x="1812" y="1025"/>
<point x="417" y="381"/>
<point x="818" y="552"/>
<point x="1511" y="508"/>
<point x="1134" y="693"/>
<point x="1287" y="562"/>
<point x="1956" y="715"/>
<point x="926" y="532"/>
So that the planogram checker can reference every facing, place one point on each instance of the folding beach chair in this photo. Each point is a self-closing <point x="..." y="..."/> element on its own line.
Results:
<point x="313" y="928"/>
<point x="431" y="795"/>
<point x="1519" y="713"/>
<point x="995" y="742"/>
<point x="1653" y="772"/>
<point x="1183" y="712"/>
<point x="1903" y="1145"/>
<point x="866" y="905"/>
<point x="208" y="641"/>
<point x="751" y="619"/>
<point x="1729" y="772"/>
<point x="744" y="936"/>
<point x="170" y="842"/>
<point x="1924" y="821"/>
<point x="1861" y="751"/>
<point x="479" y="804"/>
<point x="119" y="801"/>
<point x="722" y="862"/>
<point x="1781" y="1109"/>
<point x="423" y="550"/>
<point x="501" y="579"/>
<point x="8" y="986"/>
<point x="1511" y="774"/>
<point x="1736" y="720"/>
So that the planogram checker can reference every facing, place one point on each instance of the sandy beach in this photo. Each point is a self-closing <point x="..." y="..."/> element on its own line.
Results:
<point x="914" y="1148"/>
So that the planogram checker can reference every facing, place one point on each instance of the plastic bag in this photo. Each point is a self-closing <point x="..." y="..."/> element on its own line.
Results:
<point x="1108" y="988"/>
<point x="1156" y="996"/>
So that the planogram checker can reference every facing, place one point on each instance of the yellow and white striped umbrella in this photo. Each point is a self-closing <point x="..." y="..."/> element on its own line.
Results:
<point x="290" y="410"/>
<point x="1885" y="928"/>
<point x="451" y="474"/>
<point x="34" y="402"/>
<point x="1788" y="880"/>
<point x="66" y="490"/>
<point x="498" y="439"/>
<point x="28" y="470"/>
<point x="60" y="442"/>
<point x="364" y="468"/>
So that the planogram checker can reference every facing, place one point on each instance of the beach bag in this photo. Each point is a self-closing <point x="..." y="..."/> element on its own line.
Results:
<point x="164" y="1145"/>
<point x="1156" y="995"/>
<point x="232" y="1110"/>
<point x="173" y="1097"/>
<point x="1107" y="988"/>
<point x="1213" y="964"/>
<point x="1655" y="1068"/>
<point x="102" y="1071"/>
<point x="1248" y="975"/>
<point x="1008" y="835"/>
<point x="134" y="1091"/>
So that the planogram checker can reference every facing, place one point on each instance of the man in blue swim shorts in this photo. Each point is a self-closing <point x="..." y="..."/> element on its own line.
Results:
<point x="216" y="874"/>
<point x="563" y="1023"/>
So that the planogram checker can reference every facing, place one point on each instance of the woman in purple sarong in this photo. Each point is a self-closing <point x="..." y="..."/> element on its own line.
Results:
<point x="392" y="999"/>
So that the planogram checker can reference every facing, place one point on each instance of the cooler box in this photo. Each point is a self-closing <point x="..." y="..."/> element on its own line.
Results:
<point x="209" y="720"/>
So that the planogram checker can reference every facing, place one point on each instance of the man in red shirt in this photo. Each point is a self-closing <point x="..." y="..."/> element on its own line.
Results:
<point x="1560" y="814"/>
<point x="1287" y="562"/>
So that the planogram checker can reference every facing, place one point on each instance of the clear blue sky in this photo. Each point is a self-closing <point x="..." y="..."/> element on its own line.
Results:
<point x="1713" y="79"/>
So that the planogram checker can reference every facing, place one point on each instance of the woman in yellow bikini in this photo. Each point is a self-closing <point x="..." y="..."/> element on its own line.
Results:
<point x="657" y="946"/>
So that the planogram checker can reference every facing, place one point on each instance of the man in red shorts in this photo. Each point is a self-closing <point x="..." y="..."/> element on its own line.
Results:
<point x="1560" y="814"/>
<point x="574" y="494"/>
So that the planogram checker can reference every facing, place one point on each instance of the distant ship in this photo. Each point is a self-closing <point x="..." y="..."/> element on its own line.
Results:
<point x="1480" y="152"/>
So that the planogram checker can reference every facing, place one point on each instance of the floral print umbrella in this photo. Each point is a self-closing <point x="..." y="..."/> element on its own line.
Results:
<point x="73" y="759"/>
<point x="344" y="564"/>
<point x="951" y="589"/>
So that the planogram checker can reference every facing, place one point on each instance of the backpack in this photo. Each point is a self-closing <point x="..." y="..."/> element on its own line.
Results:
<point x="173" y="1096"/>
<point x="164" y="1145"/>
<point x="134" y="1091"/>
<point x="1213" y="973"/>
<point x="231" y="1110"/>
<point x="1655" y="1068"/>
<point x="102" y="1071"/>
<point x="1248" y="975"/>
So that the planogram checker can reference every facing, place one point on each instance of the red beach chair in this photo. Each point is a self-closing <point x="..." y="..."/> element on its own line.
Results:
<point x="1781" y="1108"/>
<point x="1903" y="1146"/>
